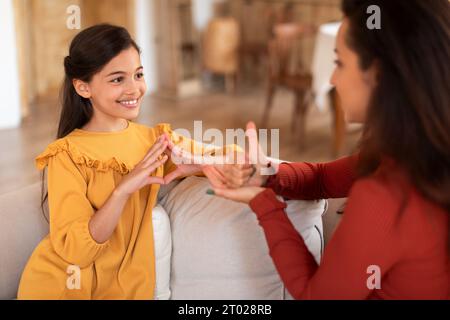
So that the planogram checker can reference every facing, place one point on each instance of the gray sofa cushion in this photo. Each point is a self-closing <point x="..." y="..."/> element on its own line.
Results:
<point x="22" y="228"/>
<point x="219" y="250"/>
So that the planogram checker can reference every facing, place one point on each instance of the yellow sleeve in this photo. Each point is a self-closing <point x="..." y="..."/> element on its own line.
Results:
<point x="70" y="213"/>
<point x="194" y="147"/>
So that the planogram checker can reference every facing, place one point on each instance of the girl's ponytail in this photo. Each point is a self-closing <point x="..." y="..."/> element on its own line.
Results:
<point x="78" y="114"/>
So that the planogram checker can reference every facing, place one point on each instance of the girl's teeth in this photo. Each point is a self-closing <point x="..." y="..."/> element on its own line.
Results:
<point x="129" y="103"/>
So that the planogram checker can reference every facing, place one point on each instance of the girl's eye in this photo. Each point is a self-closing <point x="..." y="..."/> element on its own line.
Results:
<point x="117" y="80"/>
<point x="140" y="75"/>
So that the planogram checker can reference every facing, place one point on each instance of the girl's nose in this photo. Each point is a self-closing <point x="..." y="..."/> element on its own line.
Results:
<point x="132" y="87"/>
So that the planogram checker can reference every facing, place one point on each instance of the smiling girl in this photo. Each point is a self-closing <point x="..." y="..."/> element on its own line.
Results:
<point x="104" y="173"/>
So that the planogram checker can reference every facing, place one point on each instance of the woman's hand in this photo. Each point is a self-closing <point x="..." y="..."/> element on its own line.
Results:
<point x="140" y="176"/>
<point x="254" y="172"/>
<point x="244" y="194"/>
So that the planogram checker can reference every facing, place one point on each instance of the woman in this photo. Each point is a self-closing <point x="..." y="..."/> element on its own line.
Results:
<point x="392" y="242"/>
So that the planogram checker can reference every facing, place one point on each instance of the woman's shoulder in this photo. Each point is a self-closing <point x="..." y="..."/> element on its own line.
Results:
<point x="391" y="190"/>
<point x="389" y="184"/>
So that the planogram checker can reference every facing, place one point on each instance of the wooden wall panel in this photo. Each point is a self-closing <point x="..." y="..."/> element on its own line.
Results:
<point x="43" y="39"/>
<point x="118" y="12"/>
<point x="50" y="41"/>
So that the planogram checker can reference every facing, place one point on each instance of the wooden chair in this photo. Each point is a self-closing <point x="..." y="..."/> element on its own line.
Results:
<point x="280" y="74"/>
<point x="220" y="49"/>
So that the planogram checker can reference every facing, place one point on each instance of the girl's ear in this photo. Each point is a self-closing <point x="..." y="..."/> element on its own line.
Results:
<point x="82" y="88"/>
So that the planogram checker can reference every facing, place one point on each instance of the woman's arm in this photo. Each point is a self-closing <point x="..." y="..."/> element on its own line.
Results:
<point x="364" y="238"/>
<point x="307" y="181"/>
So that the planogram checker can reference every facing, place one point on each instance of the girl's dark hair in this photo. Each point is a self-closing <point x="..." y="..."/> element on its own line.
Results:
<point x="408" y="118"/>
<point x="89" y="52"/>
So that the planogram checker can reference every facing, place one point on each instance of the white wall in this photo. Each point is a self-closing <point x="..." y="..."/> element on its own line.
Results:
<point x="203" y="11"/>
<point x="146" y="33"/>
<point x="9" y="71"/>
<point x="145" y="38"/>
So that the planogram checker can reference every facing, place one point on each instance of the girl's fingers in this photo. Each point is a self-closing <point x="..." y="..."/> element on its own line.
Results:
<point x="159" y="141"/>
<point x="155" y="180"/>
<point x="156" y="164"/>
<point x="155" y="154"/>
<point x="172" y="176"/>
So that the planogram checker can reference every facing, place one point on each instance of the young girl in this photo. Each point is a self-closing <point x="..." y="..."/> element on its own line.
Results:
<point x="392" y="242"/>
<point x="104" y="173"/>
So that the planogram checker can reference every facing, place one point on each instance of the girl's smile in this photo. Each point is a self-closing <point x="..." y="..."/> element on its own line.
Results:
<point x="130" y="103"/>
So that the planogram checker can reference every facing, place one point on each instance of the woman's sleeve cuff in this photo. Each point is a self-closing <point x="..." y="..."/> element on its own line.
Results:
<point x="266" y="203"/>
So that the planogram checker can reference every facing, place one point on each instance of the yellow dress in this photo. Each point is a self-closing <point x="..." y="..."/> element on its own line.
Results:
<point x="83" y="169"/>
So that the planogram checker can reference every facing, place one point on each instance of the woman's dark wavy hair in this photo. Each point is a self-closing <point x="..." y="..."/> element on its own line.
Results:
<point x="408" y="118"/>
<point x="89" y="52"/>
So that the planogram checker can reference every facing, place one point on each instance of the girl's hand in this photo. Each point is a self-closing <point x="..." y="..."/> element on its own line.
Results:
<point x="140" y="176"/>
<point x="189" y="165"/>
<point x="244" y="195"/>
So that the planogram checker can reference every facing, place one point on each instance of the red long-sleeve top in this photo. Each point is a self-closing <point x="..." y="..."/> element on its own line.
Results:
<point x="388" y="231"/>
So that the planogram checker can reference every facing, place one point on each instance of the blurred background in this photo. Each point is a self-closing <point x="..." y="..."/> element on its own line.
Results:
<point x="221" y="62"/>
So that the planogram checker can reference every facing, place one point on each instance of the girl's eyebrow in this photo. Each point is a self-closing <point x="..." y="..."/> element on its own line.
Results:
<point x="122" y="72"/>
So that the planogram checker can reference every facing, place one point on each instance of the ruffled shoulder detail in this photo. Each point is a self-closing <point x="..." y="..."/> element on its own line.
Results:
<point x="163" y="128"/>
<point x="166" y="128"/>
<point x="63" y="145"/>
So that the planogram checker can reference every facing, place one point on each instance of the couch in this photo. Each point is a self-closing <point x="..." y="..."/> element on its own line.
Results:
<point x="217" y="249"/>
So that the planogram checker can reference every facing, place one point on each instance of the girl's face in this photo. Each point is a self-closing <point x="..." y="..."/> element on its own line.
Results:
<point x="116" y="91"/>
<point x="353" y="85"/>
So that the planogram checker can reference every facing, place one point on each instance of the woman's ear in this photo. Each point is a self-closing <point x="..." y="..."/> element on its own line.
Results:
<point x="82" y="88"/>
<point x="371" y="75"/>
